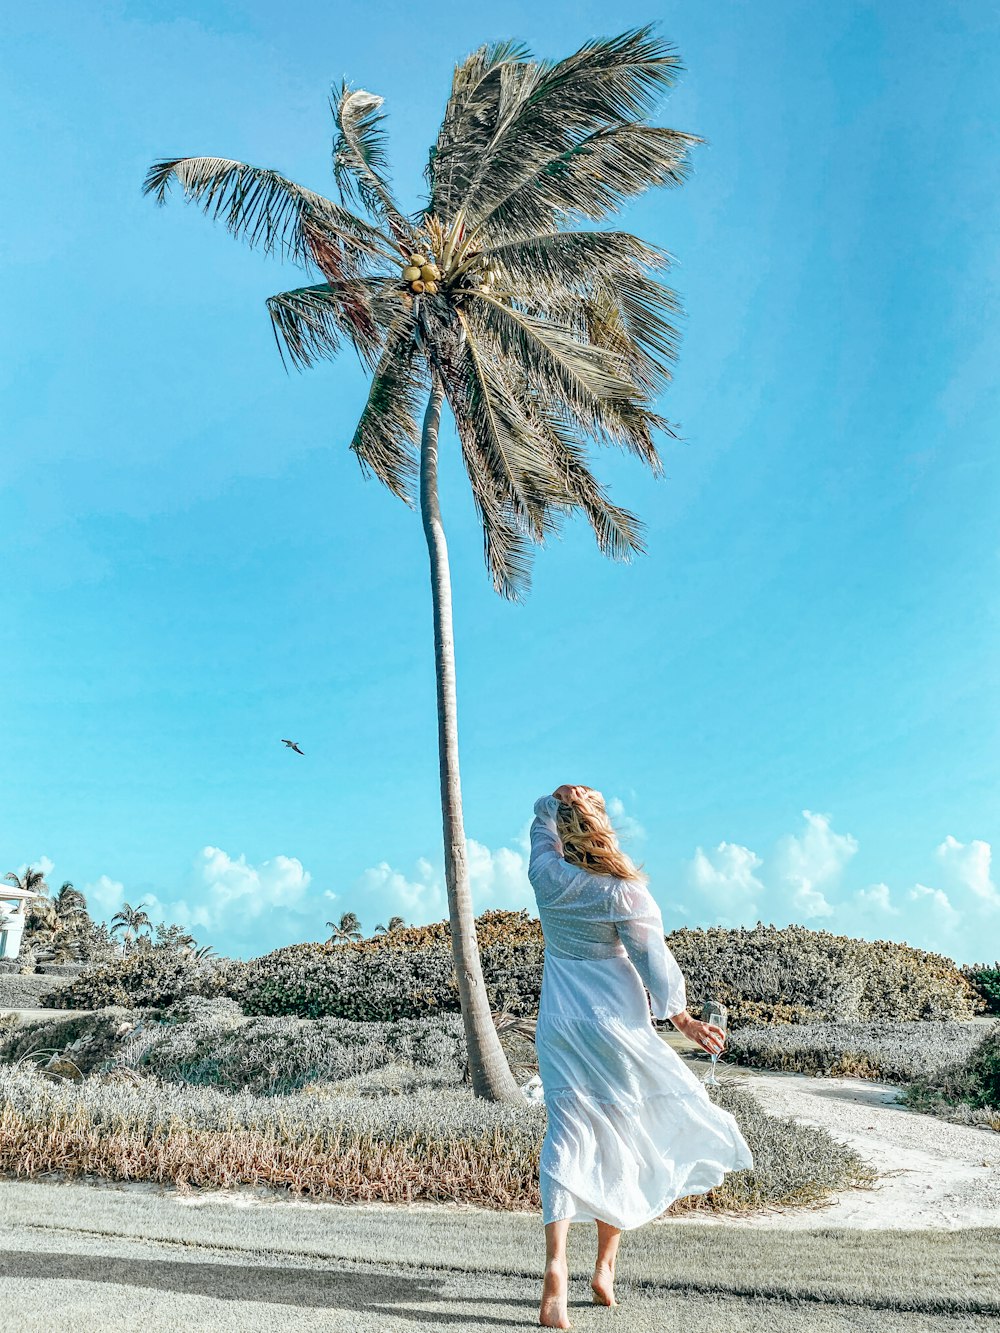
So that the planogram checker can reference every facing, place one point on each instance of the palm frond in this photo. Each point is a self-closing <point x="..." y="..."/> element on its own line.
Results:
<point x="591" y="178"/>
<point x="269" y="211"/>
<point x="625" y="311"/>
<point x="360" y="165"/>
<point x="635" y="317"/>
<point x="469" y="123"/>
<point x="387" y="437"/>
<point x="506" y="547"/>
<point x="570" y="262"/>
<point x="618" y="531"/>
<point x="552" y="108"/>
<point x="589" y="380"/>
<point x="310" y="322"/>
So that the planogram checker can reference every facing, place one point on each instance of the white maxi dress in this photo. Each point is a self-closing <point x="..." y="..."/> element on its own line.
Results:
<point x="630" y="1126"/>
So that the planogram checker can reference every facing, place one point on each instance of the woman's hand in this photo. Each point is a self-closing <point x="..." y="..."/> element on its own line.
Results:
<point x="708" y="1036"/>
<point x="573" y="794"/>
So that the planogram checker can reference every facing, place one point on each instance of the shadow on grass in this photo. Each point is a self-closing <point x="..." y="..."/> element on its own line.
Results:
<point x="306" y="1287"/>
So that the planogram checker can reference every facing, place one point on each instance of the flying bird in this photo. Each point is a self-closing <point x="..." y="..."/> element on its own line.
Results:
<point x="292" y="746"/>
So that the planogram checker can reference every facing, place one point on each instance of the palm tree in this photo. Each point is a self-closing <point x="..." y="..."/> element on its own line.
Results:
<point x="63" y="950"/>
<point x="32" y="881"/>
<point x="131" y="921"/>
<point x="69" y="903"/>
<point x="41" y="923"/>
<point x="498" y="296"/>
<point x="203" y="953"/>
<point x="345" y="930"/>
<point x="395" y="923"/>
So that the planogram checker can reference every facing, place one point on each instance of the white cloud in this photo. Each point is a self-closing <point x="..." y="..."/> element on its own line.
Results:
<point x="627" y="827"/>
<point x="255" y="907"/>
<point x="235" y="885"/>
<point x="809" y="861"/>
<point x="43" y="863"/>
<point x="967" y="867"/>
<point x="228" y="901"/>
<point x="499" y="879"/>
<point x="726" y="881"/>
<point x="938" y="900"/>
<point x="419" y="900"/>
<point x="104" y="896"/>
<point x="877" y="897"/>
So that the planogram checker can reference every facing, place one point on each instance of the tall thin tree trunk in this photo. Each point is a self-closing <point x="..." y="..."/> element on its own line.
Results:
<point x="491" y="1074"/>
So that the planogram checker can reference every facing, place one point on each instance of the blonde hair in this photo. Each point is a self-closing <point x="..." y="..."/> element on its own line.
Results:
<point x="589" y="841"/>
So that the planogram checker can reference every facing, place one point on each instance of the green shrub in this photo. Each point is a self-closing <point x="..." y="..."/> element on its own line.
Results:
<point x="150" y="978"/>
<point x="967" y="1090"/>
<point x="211" y="1041"/>
<point x="92" y="1041"/>
<point x="20" y="991"/>
<point x="985" y="980"/>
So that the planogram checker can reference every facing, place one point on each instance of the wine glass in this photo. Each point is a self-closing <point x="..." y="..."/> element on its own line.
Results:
<point x="713" y="1011"/>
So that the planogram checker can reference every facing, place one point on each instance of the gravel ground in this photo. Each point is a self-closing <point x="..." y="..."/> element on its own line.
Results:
<point x="76" y="1257"/>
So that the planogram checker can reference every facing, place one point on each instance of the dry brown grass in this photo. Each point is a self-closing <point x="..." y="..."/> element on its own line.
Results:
<point x="439" y="1145"/>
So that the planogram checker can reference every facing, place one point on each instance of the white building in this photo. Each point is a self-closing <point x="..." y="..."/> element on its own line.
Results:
<point x="13" y="912"/>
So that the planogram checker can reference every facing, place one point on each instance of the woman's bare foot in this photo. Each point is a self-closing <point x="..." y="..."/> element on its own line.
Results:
<point x="603" y="1284"/>
<point x="552" y="1313"/>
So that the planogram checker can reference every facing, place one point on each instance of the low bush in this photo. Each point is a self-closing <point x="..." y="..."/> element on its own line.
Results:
<point x="28" y="991"/>
<point x="819" y="976"/>
<point x="211" y="1041"/>
<point x="90" y="1041"/>
<point x="967" y="1090"/>
<point x="890" y="1052"/>
<point x="437" y="1143"/>
<point x="985" y="980"/>
<point x="273" y="1056"/>
<point x="150" y="978"/>
<point x="765" y="975"/>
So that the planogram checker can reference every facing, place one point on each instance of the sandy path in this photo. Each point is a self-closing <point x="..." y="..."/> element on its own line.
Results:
<point x="935" y="1174"/>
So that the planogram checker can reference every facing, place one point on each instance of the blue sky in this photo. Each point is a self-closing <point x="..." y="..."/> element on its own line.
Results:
<point x="790" y="700"/>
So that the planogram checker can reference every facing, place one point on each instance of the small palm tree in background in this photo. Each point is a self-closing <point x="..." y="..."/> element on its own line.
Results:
<point x="70" y="903"/>
<point x="500" y="298"/>
<point x="41" y="922"/>
<point x="131" y="922"/>
<point x="204" y="953"/>
<point x="395" y="923"/>
<point x="32" y="881"/>
<point x="345" y="930"/>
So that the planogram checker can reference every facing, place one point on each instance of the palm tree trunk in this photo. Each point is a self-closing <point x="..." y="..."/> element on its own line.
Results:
<point x="491" y="1074"/>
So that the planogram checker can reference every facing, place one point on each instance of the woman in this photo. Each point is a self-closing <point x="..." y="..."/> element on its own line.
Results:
<point x="630" y="1127"/>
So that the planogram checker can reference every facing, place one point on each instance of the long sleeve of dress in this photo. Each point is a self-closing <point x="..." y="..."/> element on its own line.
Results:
<point x="639" y="924"/>
<point x="545" y="842"/>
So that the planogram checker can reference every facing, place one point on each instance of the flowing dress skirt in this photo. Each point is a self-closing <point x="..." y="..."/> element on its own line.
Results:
<point x="630" y="1127"/>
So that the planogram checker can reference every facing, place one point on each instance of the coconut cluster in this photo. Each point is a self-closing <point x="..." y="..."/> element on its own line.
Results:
<point x="421" y="275"/>
<point x="485" y="271"/>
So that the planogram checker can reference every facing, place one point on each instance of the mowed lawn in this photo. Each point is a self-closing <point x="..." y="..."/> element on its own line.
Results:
<point x="81" y="1257"/>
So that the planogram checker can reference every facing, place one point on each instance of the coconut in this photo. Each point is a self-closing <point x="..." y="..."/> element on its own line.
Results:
<point x="417" y="286"/>
<point x="430" y="272"/>
<point x="411" y="273"/>
<point x="419" y="260"/>
<point x="430" y="287"/>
